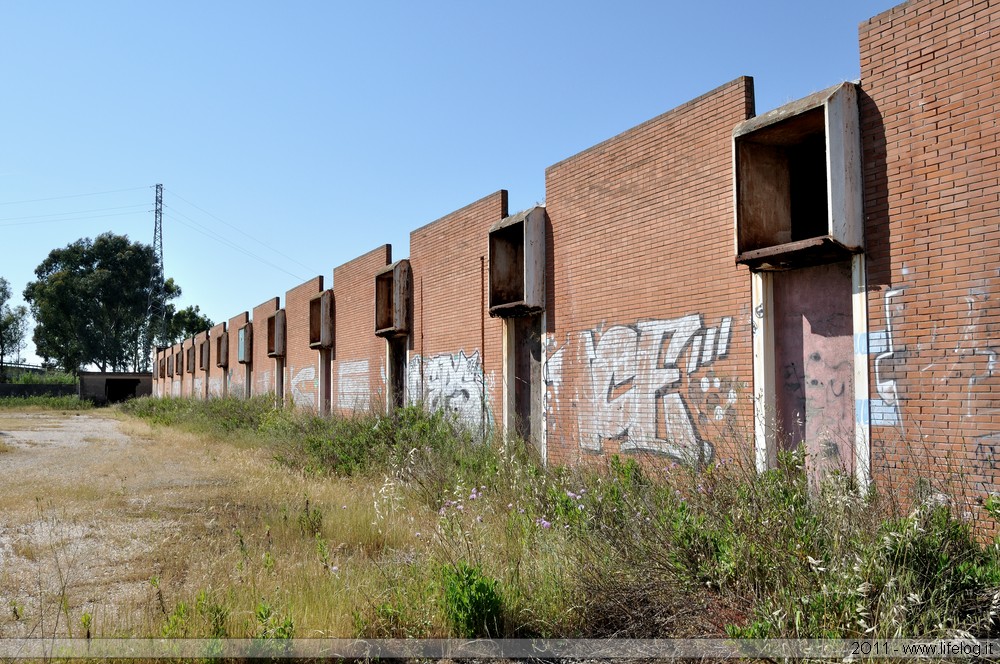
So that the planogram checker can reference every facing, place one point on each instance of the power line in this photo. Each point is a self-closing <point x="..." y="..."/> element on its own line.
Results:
<point x="240" y="230"/>
<point x="194" y="225"/>
<point x="58" y="198"/>
<point x="51" y="221"/>
<point x="61" y="214"/>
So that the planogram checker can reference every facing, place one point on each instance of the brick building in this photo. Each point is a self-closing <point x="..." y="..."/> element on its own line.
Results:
<point x="305" y="364"/>
<point x="359" y="357"/>
<point x="710" y="283"/>
<point x="454" y="348"/>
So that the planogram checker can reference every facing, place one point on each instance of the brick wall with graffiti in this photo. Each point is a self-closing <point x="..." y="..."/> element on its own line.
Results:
<point x="358" y="372"/>
<point x="651" y="386"/>
<point x="932" y="200"/>
<point x="455" y="347"/>
<point x="647" y="334"/>
<point x="302" y="364"/>
<point x="647" y="337"/>
<point x="263" y="377"/>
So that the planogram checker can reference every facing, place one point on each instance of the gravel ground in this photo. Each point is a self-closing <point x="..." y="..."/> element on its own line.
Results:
<point x="87" y="504"/>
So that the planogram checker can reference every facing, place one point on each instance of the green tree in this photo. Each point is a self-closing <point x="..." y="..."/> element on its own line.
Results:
<point x="185" y="323"/>
<point x="13" y="328"/>
<point x="90" y="302"/>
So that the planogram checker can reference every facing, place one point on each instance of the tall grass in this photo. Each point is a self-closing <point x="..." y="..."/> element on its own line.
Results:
<point x="475" y="538"/>
<point x="46" y="378"/>
<point x="69" y="402"/>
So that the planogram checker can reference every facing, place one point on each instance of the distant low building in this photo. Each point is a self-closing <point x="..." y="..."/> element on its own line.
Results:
<point x="103" y="388"/>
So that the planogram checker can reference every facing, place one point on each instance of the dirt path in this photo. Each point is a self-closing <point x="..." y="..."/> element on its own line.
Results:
<point x="93" y="512"/>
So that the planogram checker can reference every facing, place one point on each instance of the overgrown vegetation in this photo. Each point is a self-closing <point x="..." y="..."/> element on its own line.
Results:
<point x="69" y="402"/>
<point x="447" y="535"/>
<point x="46" y="378"/>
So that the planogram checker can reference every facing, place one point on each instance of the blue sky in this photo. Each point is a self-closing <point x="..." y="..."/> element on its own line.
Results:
<point x="321" y="130"/>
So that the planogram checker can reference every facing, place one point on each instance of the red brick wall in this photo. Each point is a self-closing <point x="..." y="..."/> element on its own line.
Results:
<point x="302" y="363"/>
<point x="157" y="381"/>
<point x="186" y="377"/>
<point x="358" y="370"/>
<point x="932" y="201"/>
<point x="236" y="373"/>
<point x="448" y="260"/>
<point x="217" y="375"/>
<point x="648" y="338"/>
<point x="174" y="381"/>
<point x="199" y="389"/>
<point x="263" y="366"/>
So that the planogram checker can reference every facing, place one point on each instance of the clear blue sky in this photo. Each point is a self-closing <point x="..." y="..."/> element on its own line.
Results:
<point x="324" y="129"/>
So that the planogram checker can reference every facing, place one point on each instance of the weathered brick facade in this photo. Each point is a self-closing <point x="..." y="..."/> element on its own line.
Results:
<point x="264" y="379"/>
<point x="202" y="371"/>
<point x="930" y="103"/>
<point x="716" y="283"/>
<point x="217" y="380"/>
<point x="455" y="348"/>
<point x="189" y="363"/>
<point x="302" y="363"/>
<point x="648" y="323"/>
<point x="238" y="374"/>
<point x="176" y="360"/>
<point x="358" y="371"/>
<point x="159" y="371"/>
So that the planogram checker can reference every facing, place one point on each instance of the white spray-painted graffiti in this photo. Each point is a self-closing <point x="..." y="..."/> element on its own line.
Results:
<point x="262" y="382"/>
<point x="972" y="356"/>
<point x="353" y="391"/>
<point x="976" y="354"/>
<point x="960" y="365"/>
<point x="304" y="387"/>
<point x="637" y="389"/>
<point x="885" y="408"/>
<point x="454" y="382"/>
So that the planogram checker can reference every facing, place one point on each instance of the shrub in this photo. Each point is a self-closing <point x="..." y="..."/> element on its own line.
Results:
<point x="472" y="601"/>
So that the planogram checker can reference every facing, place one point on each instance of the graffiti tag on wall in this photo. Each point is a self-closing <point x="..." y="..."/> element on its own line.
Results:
<point x="885" y="407"/>
<point x="353" y="392"/>
<point x="968" y="360"/>
<point x="304" y="387"/>
<point x="453" y="382"/>
<point x="649" y="386"/>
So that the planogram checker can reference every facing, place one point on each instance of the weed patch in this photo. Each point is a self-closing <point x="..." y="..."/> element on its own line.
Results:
<point x="70" y="402"/>
<point x="447" y="534"/>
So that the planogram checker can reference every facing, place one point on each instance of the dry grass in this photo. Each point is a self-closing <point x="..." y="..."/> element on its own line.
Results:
<point x="114" y="523"/>
<point x="153" y="531"/>
<point x="27" y="422"/>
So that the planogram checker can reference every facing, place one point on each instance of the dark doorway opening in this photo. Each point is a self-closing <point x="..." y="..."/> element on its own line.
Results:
<point x="526" y="343"/>
<point x="397" y="371"/>
<point x="117" y="390"/>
